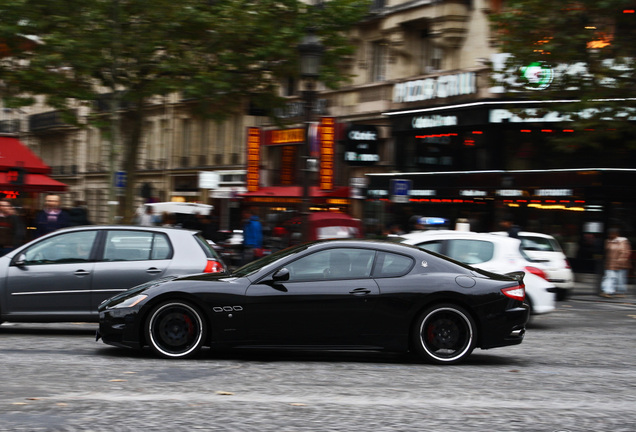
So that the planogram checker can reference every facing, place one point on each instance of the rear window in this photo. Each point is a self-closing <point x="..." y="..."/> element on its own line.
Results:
<point x="470" y="251"/>
<point x="540" y="244"/>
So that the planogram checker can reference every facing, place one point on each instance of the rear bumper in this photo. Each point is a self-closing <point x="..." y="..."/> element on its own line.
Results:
<point x="507" y="328"/>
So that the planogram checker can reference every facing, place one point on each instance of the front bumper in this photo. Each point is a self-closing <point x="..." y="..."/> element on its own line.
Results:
<point x="118" y="327"/>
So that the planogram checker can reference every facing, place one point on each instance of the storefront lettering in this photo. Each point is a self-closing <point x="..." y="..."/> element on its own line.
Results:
<point x="362" y="135"/>
<point x="361" y="157"/>
<point x="553" y="192"/>
<point x="433" y="121"/>
<point x="435" y="88"/>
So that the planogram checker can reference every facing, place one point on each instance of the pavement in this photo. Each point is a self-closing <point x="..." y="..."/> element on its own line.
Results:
<point x="587" y="287"/>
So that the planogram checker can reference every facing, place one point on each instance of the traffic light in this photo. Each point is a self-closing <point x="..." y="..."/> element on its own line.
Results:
<point x="16" y="175"/>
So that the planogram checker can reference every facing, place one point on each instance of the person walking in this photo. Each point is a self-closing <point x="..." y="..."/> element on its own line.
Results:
<point x="12" y="231"/>
<point x="252" y="236"/>
<point x="617" y="262"/>
<point x="51" y="217"/>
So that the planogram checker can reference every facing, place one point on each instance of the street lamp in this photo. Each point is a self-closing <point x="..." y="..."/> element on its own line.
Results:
<point x="311" y="51"/>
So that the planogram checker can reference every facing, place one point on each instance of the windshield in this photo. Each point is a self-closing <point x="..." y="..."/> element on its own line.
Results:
<point x="254" y="266"/>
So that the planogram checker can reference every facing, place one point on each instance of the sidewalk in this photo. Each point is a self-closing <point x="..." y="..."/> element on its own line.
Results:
<point x="587" y="288"/>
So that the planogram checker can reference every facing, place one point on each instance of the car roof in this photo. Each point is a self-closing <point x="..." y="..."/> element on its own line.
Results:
<point x="444" y="234"/>
<point x="526" y="234"/>
<point x="123" y="227"/>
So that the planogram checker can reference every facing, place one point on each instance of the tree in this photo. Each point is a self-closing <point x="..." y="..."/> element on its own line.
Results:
<point x="217" y="52"/>
<point x="587" y="48"/>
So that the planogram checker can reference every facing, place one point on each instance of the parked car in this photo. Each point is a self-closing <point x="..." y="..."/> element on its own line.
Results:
<point x="329" y="294"/>
<point x="545" y="252"/>
<point x="65" y="275"/>
<point x="490" y="252"/>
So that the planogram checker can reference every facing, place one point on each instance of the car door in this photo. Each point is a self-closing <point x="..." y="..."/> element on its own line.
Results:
<point x="53" y="276"/>
<point x="328" y="299"/>
<point x="129" y="258"/>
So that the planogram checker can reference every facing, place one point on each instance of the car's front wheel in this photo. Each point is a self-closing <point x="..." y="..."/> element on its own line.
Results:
<point x="175" y="329"/>
<point x="444" y="334"/>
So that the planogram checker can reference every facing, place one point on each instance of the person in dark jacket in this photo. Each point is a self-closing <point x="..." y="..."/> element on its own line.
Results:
<point x="12" y="231"/>
<point x="51" y="217"/>
<point x="252" y="236"/>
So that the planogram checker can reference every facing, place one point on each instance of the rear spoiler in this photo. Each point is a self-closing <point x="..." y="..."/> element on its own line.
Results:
<point x="517" y="275"/>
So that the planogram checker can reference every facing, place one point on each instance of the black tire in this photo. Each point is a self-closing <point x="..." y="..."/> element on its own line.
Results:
<point x="175" y="329"/>
<point x="444" y="334"/>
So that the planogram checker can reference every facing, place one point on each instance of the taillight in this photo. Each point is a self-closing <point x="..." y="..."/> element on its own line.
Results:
<point x="537" y="272"/>
<point x="213" y="266"/>
<point x="567" y="264"/>
<point x="517" y="293"/>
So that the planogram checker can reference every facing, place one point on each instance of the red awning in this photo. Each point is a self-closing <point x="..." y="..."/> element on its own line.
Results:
<point x="15" y="154"/>
<point x="297" y="191"/>
<point x="33" y="183"/>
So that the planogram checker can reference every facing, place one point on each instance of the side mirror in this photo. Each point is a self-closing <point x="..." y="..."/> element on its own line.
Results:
<point x="19" y="260"/>
<point x="281" y="275"/>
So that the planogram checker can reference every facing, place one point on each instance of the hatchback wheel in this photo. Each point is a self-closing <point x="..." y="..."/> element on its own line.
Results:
<point x="444" y="334"/>
<point x="175" y="329"/>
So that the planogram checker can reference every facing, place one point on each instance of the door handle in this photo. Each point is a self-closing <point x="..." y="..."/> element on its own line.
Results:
<point x="153" y="270"/>
<point x="81" y="273"/>
<point x="360" y="291"/>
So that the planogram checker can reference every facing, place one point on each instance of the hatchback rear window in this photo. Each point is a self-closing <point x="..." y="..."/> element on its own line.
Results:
<point x="470" y="251"/>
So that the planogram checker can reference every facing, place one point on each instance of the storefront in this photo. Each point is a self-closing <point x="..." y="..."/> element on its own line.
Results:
<point x="575" y="205"/>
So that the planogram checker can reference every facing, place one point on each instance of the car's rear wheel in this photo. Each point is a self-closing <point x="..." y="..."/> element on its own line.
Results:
<point x="175" y="329"/>
<point x="444" y="334"/>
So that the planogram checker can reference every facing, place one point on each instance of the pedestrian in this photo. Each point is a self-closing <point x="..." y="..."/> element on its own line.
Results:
<point x="12" y="230"/>
<point x="147" y="218"/>
<point x="510" y="227"/>
<point x="617" y="262"/>
<point x="78" y="215"/>
<point x="51" y="217"/>
<point x="252" y="236"/>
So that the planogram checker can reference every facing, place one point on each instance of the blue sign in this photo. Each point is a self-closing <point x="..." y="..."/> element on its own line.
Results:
<point x="120" y="179"/>
<point x="400" y="190"/>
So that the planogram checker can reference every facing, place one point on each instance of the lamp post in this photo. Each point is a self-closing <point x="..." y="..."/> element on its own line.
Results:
<point x="311" y="51"/>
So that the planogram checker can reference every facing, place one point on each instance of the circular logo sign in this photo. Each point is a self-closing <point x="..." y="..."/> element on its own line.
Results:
<point x="538" y="76"/>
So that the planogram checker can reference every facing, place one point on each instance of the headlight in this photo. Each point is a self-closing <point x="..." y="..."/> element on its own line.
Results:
<point x="130" y="301"/>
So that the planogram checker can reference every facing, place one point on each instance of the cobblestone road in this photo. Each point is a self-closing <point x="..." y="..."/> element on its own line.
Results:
<point x="574" y="372"/>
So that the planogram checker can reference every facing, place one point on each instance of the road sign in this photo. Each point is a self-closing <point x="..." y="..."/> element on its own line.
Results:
<point x="400" y="190"/>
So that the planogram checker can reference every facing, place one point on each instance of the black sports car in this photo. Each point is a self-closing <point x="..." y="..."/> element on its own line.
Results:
<point x="331" y="294"/>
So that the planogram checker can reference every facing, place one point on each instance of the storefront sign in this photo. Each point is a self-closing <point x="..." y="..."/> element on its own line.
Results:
<point x="288" y="161"/>
<point x="424" y="122"/>
<point x="287" y="136"/>
<point x="553" y="192"/>
<point x="327" y="152"/>
<point x="537" y="75"/>
<point x="362" y="145"/>
<point x="253" y="158"/>
<point x="435" y="88"/>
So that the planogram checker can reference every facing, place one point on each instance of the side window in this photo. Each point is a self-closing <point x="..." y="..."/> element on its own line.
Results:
<point x="433" y="246"/>
<point x="392" y="265"/>
<point x="333" y="264"/>
<point x="136" y="246"/>
<point x="65" y="248"/>
<point x="471" y="251"/>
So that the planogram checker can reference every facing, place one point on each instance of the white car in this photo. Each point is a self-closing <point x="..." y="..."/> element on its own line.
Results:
<point x="546" y="253"/>
<point x="497" y="254"/>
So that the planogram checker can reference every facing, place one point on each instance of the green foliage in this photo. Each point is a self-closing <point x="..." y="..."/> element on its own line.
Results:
<point x="591" y="47"/>
<point x="216" y="52"/>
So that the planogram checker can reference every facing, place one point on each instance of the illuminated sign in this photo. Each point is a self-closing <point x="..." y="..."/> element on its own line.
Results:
<point x="287" y="165"/>
<point x="288" y="136"/>
<point x="538" y="76"/>
<point x="327" y="156"/>
<point x="553" y="192"/>
<point x="362" y="145"/>
<point x="510" y="192"/>
<point x="424" y="122"/>
<point x="435" y="88"/>
<point x="253" y="158"/>
<point x="473" y="193"/>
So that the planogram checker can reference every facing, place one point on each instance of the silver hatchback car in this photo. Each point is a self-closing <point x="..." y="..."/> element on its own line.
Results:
<point x="65" y="275"/>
